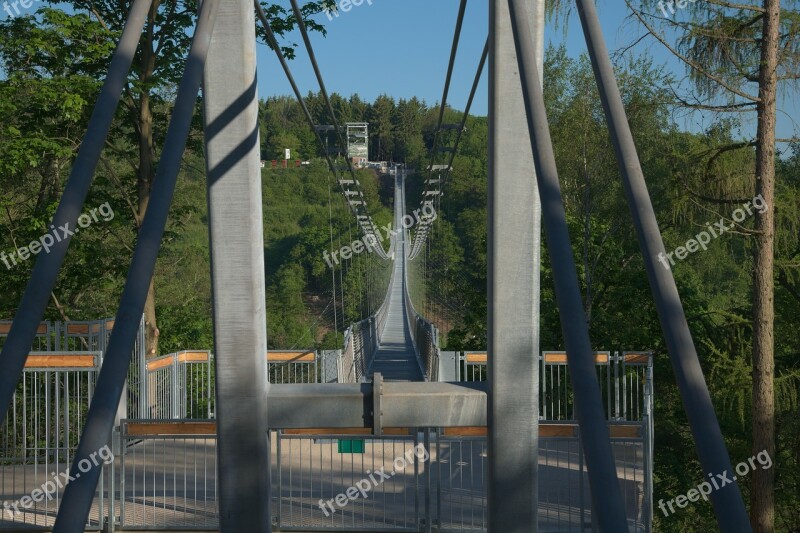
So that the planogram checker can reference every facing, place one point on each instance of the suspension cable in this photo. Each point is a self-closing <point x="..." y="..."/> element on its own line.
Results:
<point x="310" y="49"/>
<point x="333" y="268"/>
<point x="450" y="67"/>
<point x="367" y="226"/>
<point x="463" y="126"/>
<point x="421" y="234"/>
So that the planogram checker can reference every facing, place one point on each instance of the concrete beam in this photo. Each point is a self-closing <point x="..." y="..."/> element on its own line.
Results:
<point x="345" y="405"/>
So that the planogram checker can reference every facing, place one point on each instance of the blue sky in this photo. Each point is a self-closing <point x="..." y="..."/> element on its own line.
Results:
<point x="401" y="48"/>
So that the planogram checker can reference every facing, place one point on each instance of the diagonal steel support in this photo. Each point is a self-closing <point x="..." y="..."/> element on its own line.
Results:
<point x="728" y="503"/>
<point x="45" y="272"/>
<point x="78" y="496"/>
<point x="237" y="270"/>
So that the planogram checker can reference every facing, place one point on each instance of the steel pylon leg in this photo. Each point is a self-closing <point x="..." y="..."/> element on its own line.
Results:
<point x="514" y="257"/>
<point x="237" y="270"/>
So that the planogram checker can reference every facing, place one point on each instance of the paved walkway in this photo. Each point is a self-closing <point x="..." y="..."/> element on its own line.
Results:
<point x="396" y="358"/>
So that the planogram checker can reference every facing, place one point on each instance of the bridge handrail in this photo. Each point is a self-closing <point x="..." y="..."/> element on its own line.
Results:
<point x="426" y="341"/>
<point x="383" y="310"/>
<point x="360" y="345"/>
<point x="423" y="333"/>
<point x="362" y="339"/>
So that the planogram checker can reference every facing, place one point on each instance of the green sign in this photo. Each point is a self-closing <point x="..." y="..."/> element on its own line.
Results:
<point x="351" y="446"/>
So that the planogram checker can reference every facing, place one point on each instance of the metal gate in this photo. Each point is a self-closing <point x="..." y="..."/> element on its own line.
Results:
<point x="418" y="480"/>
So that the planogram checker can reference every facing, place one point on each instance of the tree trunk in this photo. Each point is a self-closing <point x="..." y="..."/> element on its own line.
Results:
<point x="762" y="493"/>
<point x="146" y="172"/>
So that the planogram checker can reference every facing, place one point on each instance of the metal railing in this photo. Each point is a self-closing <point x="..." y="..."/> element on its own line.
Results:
<point x="165" y="478"/>
<point x="42" y="342"/>
<point x="179" y="385"/>
<point x="360" y="345"/>
<point x="626" y="380"/>
<point x="414" y="479"/>
<point x="40" y="435"/>
<point x="330" y="364"/>
<point x="182" y="385"/>
<point x="310" y="472"/>
<point x="424" y="334"/>
<point x="45" y="420"/>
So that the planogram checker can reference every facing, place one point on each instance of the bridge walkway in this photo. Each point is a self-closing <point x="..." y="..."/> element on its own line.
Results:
<point x="397" y="358"/>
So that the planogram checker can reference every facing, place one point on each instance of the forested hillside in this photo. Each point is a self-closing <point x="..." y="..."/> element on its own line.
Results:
<point x="694" y="178"/>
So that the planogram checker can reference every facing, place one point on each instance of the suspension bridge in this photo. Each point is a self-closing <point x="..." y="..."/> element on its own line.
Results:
<point x="541" y="441"/>
<point x="396" y="358"/>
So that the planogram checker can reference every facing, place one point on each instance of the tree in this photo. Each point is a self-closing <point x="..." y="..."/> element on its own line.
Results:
<point x="736" y="56"/>
<point x="280" y="142"/>
<point x="381" y="128"/>
<point x="408" y="130"/>
<point x="156" y="70"/>
<point x="45" y="103"/>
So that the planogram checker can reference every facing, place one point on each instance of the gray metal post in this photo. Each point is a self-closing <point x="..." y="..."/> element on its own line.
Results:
<point x="176" y="404"/>
<point x="279" y="469"/>
<point x="112" y="513"/>
<point x="45" y="272"/>
<point x="428" y="481"/>
<point x="144" y="392"/>
<point x="514" y="258"/>
<point x="78" y="496"/>
<point x="606" y="492"/>
<point x="727" y="502"/>
<point x="581" y="489"/>
<point x="122" y="407"/>
<point x="237" y="270"/>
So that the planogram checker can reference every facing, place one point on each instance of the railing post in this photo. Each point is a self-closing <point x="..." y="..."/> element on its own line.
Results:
<point x="209" y="395"/>
<point x="428" y="510"/>
<point x="117" y="450"/>
<point x="122" y="448"/>
<point x="176" y="404"/>
<point x="581" y="484"/>
<point x="280" y="476"/>
<point x="439" y="433"/>
<point x="648" y="444"/>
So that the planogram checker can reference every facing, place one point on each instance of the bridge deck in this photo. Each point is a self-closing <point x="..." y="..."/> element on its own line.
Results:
<point x="396" y="358"/>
